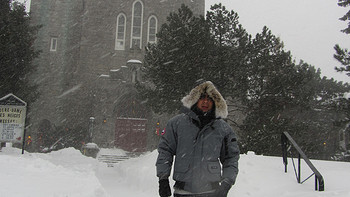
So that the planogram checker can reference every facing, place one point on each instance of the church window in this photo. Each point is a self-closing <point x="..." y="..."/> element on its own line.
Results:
<point x="53" y="44"/>
<point x="120" y="33"/>
<point x="136" y="29"/>
<point x="152" y="29"/>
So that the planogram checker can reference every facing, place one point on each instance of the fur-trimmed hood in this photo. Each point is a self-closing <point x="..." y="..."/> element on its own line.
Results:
<point x="207" y="87"/>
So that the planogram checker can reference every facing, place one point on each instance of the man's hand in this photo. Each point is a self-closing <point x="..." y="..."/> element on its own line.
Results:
<point x="222" y="190"/>
<point x="164" y="188"/>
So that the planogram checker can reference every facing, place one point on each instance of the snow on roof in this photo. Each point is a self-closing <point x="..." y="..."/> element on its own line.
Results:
<point x="125" y="118"/>
<point x="104" y="76"/>
<point x="91" y="145"/>
<point x="134" y="61"/>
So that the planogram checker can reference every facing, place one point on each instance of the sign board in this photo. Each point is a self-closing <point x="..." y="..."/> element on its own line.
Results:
<point x="12" y="119"/>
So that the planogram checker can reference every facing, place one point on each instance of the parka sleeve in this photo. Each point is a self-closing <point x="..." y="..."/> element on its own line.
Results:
<point x="229" y="157"/>
<point x="166" y="151"/>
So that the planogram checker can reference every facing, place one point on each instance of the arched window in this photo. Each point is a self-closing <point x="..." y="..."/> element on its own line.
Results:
<point x="136" y="26"/>
<point x="120" y="32"/>
<point x="53" y="45"/>
<point x="152" y="29"/>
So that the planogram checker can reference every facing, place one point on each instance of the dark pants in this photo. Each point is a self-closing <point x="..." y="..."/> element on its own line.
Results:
<point x="181" y="185"/>
<point x="195" y="195"/>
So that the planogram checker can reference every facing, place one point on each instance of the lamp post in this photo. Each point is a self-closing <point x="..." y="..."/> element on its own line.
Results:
<point x="91" y="127"/>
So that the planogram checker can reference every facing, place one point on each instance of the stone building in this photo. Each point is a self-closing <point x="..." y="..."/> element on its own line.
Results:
<point x="92" y="51"/>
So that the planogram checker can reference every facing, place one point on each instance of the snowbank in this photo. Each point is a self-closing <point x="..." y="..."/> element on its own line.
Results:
<point x="68" y="173"/>
<point x="58" y="174"/>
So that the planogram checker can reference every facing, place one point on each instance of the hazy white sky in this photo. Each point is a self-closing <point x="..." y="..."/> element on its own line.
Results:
<point x="308" y="28"/>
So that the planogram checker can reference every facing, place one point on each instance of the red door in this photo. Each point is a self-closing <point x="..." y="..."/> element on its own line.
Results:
<point x="130" y="134"/>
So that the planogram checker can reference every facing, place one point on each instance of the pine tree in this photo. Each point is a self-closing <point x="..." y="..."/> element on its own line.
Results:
<point x="178" y="59"/>
<point x="16" y="50"/>
<point x="346" y="17"/>
<point x="343" y="55"/>
<point x="190" y="48"/>
<point x="276" y="86"/>
<point x="231" y="55"/>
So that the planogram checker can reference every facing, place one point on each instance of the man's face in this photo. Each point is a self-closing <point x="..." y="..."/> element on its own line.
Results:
<point x="205" y="103"/>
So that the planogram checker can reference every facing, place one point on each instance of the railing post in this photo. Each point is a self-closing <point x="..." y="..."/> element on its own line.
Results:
<point x="299" y="168"/>
<point x="320" y="183"/>
<point x="284" y="151"/>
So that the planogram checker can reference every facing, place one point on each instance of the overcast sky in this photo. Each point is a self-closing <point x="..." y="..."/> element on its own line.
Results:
<point x="308" y="28"/>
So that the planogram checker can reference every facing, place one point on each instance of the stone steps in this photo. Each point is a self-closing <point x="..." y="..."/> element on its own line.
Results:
<point x="110" y="160"/>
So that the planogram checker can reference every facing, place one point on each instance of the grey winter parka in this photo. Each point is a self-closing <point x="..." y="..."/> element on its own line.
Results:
<point x="203" y="157"/>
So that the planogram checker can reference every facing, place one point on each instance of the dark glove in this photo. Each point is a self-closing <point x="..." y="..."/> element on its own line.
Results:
<point x="164" y="188"/>
<point x="222" y="190"/>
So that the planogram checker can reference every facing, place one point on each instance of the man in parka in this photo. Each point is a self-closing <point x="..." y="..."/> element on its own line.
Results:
<point x="204" y="145"/>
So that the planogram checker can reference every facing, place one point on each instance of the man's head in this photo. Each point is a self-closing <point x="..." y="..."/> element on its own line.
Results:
<point x="219" y="106"/>
<point x="205" y="103"/>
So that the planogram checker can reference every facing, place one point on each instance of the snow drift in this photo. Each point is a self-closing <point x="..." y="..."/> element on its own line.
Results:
<point x="68" y="173"/>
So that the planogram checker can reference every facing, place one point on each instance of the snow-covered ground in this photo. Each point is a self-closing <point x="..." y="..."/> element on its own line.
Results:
<point x="68" y="173"/>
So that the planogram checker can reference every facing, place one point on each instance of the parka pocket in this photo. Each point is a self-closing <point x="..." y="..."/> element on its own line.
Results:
<point x="214" y="172"/>
<point x="214" y="167"/>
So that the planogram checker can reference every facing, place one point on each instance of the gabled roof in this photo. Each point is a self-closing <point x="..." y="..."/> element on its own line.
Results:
<point x="11" y="99"/>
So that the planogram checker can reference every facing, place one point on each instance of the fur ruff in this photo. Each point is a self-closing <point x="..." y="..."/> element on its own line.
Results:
<point x="207" y="87"/>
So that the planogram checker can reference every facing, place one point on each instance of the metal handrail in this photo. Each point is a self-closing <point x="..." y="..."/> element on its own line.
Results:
<point x="318" y="177"/>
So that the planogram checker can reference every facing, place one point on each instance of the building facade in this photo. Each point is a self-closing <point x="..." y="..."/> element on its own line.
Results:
<point x="92" y="51"/>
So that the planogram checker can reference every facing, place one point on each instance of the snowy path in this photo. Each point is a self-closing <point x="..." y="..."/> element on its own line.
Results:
<point x="132" y="177"/>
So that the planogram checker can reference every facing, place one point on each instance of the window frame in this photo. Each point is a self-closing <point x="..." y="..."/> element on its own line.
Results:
<point x="117" y="46"/>
<point x="53" y="44"/>
<point x="149" y="28"/>
<point x="132" y="37"/>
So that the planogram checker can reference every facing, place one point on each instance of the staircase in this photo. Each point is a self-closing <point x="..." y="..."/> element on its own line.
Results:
<point x="110" y="159"/>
